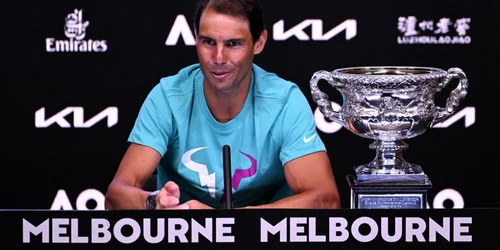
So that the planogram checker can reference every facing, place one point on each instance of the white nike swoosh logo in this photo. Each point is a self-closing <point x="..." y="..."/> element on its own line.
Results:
<point x="206" y="179"/>
<point x="306" y="140"/>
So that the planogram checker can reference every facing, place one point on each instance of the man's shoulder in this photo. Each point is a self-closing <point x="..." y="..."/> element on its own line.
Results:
<point x="180" y="83"/>
<point x="271" y="86"/>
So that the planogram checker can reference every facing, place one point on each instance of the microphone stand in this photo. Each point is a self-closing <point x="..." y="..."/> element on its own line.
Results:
<point x="228" y="192"/>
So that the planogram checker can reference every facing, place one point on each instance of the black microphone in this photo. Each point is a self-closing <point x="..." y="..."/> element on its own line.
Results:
<point x="228" y="192"/>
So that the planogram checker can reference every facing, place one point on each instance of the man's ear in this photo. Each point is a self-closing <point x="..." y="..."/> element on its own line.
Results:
<point x="260" y="43"/>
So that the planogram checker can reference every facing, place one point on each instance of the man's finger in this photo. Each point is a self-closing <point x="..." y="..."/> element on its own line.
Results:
<point x="181" y="206"/>
<point x="173" y="189"/>
<point x="168" y="201"/>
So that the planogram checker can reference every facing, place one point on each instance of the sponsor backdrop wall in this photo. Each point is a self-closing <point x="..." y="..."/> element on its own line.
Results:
<point x="77" y="72"/>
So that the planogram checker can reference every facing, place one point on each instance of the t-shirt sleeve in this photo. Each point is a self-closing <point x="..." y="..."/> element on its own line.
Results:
<point x="299" y="134"/>
<point x="152" y="126"/>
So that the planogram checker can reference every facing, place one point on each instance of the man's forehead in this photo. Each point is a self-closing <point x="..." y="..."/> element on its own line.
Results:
<point x="223" y="27"/>
<point x="213" y="13"/>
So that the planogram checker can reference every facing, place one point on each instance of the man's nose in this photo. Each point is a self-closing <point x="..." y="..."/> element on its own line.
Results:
<point x="219" y="55"/>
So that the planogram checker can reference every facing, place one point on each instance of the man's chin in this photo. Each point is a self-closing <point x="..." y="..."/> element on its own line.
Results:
<point x="223" y="86"/>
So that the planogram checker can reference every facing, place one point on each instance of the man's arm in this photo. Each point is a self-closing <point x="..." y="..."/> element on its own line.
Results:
<point x="311" y="179"/>
<point x="125" y="190"/>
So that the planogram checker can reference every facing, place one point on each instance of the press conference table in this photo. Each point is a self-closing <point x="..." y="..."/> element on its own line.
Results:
<point x="252" y="229"/>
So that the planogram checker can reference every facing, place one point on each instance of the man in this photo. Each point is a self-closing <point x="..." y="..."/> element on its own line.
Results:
<point x="277" y="158"/>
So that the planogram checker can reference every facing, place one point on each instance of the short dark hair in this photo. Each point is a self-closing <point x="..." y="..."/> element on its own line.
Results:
<point x="251" y="10"/>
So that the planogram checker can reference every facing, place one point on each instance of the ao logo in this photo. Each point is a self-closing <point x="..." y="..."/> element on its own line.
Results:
<point x="448" y="194"/>
<point x="62" y="202"/>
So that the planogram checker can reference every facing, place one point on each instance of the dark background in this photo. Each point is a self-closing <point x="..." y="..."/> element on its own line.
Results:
<point x="80" y="162"/>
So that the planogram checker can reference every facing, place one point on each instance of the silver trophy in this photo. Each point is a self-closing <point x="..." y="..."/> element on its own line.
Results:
<point x="389" y="104"/>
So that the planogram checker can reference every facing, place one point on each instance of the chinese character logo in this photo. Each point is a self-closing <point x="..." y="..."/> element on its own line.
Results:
<point x="462" y="25"/>
<point x="428" y="31"/>
<point x="408" y="26"/>
<point x="443" y="26"/>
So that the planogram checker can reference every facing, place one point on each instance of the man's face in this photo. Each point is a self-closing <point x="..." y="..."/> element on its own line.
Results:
<point x="226" y="50"/>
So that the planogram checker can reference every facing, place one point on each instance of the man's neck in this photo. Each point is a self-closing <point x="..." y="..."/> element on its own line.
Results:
<point x="226" y="105"/>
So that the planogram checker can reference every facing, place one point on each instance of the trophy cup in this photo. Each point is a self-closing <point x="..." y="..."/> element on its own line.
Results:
<point x="389" y="104"/>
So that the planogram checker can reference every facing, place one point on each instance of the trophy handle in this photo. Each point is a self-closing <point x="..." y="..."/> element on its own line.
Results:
<point x="456" y="95"/>
<point x="321" y="99"/>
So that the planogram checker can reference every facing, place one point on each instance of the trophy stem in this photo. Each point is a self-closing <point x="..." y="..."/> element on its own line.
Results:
<point x="389" y="161"/>
<point x="389" y="156"/>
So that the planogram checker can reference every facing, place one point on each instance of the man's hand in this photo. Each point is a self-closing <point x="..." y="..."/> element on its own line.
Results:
<point x="168" y="197"/>
<point x="194" y="204"/>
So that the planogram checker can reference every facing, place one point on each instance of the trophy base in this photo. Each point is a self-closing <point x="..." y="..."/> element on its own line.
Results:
<point x="388" y="195"/>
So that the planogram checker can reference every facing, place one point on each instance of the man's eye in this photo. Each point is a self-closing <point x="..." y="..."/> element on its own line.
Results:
<point x="209" y="42"/>
<point x="233" y="43"/>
